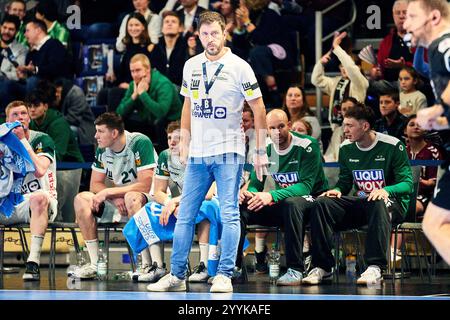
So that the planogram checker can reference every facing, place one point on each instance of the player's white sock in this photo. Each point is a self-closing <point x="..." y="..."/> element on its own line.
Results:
<point x="146" y="259"/>
<point x="92" y="246"/>
<point x="156" y="254"/>
<point x="260" y="243"/>
<point x="35" y="249"/>
<point x="204" y="248"/>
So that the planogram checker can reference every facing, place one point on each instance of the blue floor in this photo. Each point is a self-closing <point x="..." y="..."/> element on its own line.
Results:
<point x="122" y="295"/>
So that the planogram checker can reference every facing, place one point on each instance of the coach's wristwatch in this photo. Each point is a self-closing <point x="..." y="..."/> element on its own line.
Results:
<point x="260" y="152"/>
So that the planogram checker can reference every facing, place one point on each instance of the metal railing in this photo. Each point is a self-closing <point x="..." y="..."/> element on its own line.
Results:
<point x="320" y="40"/>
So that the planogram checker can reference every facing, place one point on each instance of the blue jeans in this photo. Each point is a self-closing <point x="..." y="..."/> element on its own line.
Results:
<point x="226" y="170"/>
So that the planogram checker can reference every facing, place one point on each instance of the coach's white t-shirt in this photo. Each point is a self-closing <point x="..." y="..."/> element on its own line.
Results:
<point x="216" y="116"/>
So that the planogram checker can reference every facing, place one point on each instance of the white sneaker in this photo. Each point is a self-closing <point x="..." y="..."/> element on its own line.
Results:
<point x="372" y="275"/>
<point x="316" y="276"/>
<point x="154" y="273"/>
<point x="221" y="284"/>
<point x="144" y="269"/>
<point x="200" y="274"/>
<point x="168" y="283"/>
<point x="210" y="280"/>
<point x="290" y="278"/>
<point x="88" y="271"/>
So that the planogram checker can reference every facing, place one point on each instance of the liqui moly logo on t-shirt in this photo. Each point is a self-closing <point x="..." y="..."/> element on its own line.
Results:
<point x="286" y="179"/>
<point x="369" y="180"/>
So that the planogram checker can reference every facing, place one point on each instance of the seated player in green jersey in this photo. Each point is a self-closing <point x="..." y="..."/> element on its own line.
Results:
<point x="126" y="161"/>
<point x="296" y="168"/>
<point x="377" y="166"/>
<point x="169" y="175"/>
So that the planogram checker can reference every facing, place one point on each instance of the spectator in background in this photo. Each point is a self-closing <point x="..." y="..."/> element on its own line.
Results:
<point x="261" y="35"/>
<point x="338" y="136"/>
<point x="71" y="102"/>
<point x="393" y="54"/>
<point x="302" y="126"/>
<point x="411" y="99"/>
<point x="18" y="8"/>
<point x="352" y="81"/>
<point x="136" y="41"/>
<point x="392" y="122"/>
<point x="48" y="12"/>
<point x="52" y="122"/>
<point x="153" y="24"/>
<point x="228" y="9"/>
<point x="419" y="148"/>
<point x="150" y="102"/>
<point x="189" y="15"/>
<point x="174" y="48"/>
<point x="12" y="54"/>
<point x="47" y="59"/>
<point x="297" y="108"/>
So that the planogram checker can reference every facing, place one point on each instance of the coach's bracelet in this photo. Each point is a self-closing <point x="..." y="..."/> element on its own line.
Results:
<point x="26" y="144"/>
<point x="260" y="152"/>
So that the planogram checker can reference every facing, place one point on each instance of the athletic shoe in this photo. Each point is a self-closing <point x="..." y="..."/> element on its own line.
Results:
<point x="290" y="278"/>
<point x="200" y="274"/>
<point x="154" y="273"/>
<point x="316" y="276"/>
<point x="144" y="269"/>
<point x="221" y="284"/>
<point x="32" y="272"/>
<point x="238" y="276"/>
<point x="88" y="271"/>
<point x="168" y="283"/>
<point x="210" y="280"/>
<point x="261" y="262"/>
<point x="372" y="275"/>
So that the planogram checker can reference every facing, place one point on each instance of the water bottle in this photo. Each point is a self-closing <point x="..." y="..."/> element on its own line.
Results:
<point x="102" y="264"/>
<point x="350" y="263"/>
<point x="274" y="264"/>
<point x="80" y="261"/>
<point x="81" y="258"/>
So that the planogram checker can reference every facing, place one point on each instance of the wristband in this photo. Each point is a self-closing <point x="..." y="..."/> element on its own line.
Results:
<point x="260" y="152"/>
<point x="26" y="144"/>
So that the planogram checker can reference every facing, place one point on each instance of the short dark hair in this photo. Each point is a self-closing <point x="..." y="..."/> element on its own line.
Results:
<point x="393" y="94"/>
<point x="209" y="17"/>
<point x="37" y="97"/>
<point x="171" y="14"/>
<point x="361" y="112"/>
<point x="39" y="24"/>
<point x="350" y="99"/>
<point x="111" y="120"/>
<point x="47" y="9"/>
<point x="8" y="18"/>
<point x="248" y="109"/>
